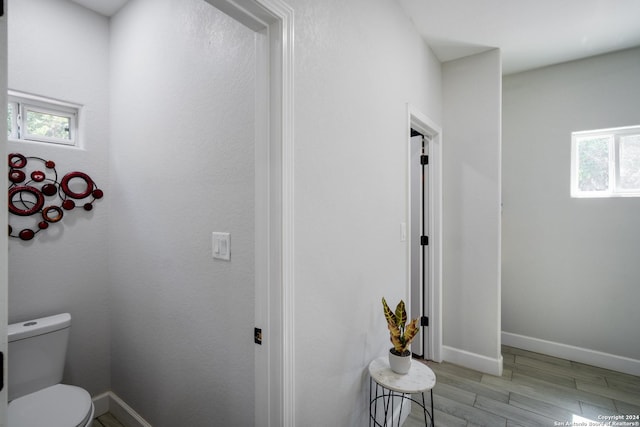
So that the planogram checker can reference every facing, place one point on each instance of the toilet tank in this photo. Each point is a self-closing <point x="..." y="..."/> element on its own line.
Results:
<point x="37" y="351"/>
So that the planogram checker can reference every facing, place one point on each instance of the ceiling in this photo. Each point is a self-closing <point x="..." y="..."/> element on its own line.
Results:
<point x="103" y="7"/>
<point x="530" y="34"/>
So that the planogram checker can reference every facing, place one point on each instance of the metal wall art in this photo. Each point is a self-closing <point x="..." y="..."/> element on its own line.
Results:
<point x="34" y="191"/>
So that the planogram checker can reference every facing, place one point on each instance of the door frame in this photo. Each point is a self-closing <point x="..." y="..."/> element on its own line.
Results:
<point x="272" y="20"/>
<point x="426" y="126"/>
<point x="418" y="227"/>
<point x="4" y="216"/>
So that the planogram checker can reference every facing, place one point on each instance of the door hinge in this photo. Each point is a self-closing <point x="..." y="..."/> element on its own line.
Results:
<point x="424" y="240"/>
<point x="257" y="336"/>
<point x="424" y="321"/>
<point x="424" y="159"/>
<point x="1" y="368"/>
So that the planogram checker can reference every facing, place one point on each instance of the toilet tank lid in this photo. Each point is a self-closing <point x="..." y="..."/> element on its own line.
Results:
<point x="44" y="325"/>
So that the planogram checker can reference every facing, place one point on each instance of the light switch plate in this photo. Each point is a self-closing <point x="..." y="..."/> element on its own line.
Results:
<point x="221" y="243"/>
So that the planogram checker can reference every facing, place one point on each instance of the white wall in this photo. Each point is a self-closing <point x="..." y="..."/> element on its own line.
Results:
<point x="60" y="50"/>
<point x="471" y="211"/>
<point x="357" y="64"/>
<point x="182" y="166"/>
<point x="570" y="266"/>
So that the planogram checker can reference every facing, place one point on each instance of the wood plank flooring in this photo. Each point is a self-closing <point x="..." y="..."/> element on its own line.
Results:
<point x="106" y="420"/>
<point x="534" y="390"/>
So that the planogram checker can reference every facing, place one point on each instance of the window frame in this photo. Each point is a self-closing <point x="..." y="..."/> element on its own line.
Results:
<point x="22" y="103"/>
<point x="614" y="135"/>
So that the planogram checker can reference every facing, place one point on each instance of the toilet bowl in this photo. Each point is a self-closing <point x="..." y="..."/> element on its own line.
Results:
<point x="37" y="351"/>
<point x="59" y="405"/>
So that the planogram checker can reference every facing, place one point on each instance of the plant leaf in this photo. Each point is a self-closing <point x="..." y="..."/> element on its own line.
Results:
<point x="410" y="332"/>
<point x="401" y="314"/>
<point x="394" y="330"/>
<point x="388" y="314"/>
<point x="397" y="341"/>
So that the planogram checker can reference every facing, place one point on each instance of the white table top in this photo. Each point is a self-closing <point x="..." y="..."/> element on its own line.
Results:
<point x="419" y="378"/>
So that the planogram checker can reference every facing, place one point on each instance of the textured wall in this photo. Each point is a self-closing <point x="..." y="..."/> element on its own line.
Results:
<point x="357" y="64"/>
<point x="570" y="270"/>
<point x="182" y="166"/>
<point x="61" y="50"/>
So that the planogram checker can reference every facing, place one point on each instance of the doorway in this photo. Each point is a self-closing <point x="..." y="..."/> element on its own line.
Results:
<point x="424" y="245"/>
<point x="419" y="220"/>
<point x="273" y="23"/>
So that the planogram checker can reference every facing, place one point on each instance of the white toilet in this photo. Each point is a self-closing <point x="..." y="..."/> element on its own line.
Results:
<point x="37" y="351"/>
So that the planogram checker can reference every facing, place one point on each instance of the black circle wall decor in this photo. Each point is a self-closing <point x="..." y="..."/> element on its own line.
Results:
<point x="43" y="196"/>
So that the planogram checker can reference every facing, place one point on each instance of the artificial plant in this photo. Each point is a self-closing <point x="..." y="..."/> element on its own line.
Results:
<point x="401" y="333"/>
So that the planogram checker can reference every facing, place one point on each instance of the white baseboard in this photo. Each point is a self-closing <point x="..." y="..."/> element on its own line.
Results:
<point x="577" y="354"/>
<point x="101" y="404"/>
<point x="109" y="402"/>
<point x="474" y="361"/>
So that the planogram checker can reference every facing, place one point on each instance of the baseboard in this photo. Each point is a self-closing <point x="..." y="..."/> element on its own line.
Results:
<point x="101" y="404"/>
<point x="577" y="354"/>
<point x="110" y="402"/>
<point x="473" y="361"/>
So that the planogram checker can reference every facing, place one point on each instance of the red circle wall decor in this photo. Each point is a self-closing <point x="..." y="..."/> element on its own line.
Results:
<point x="49" y="189"/>
<point x="27" y="234"/>
<point x="38" y="176"/>
<point x="17" y="161"/>
<point x="64" y="184"/>
<point x="18" y="205"/>
<point x="68" y="204"/>
<point x="17" y="176"/>
<point x="27" y="198"/>
<point x="48" y="218"/>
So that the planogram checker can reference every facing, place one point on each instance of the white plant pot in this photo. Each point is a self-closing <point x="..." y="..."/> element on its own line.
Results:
<point x="399" y="364"/>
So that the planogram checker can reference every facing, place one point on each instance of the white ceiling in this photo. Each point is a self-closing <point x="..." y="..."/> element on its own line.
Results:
<point x="531" y="33"/>
<point x="103" y="7"/>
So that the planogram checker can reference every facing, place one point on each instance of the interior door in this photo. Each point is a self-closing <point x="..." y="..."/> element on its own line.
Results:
<point x="425" y="248"/>
<point x="419" y="238"/>
<point x="428" y="290"/>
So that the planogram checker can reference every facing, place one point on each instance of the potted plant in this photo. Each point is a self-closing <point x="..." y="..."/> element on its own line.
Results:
<point x="401" y="336"/>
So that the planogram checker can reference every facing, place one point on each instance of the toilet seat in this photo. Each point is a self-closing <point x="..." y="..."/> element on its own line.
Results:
<point x="60" y="405"/>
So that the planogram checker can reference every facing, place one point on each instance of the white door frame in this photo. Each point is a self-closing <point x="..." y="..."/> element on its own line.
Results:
<point x="272" y="20"/>
<point x="426" y="126"/>
<point x="4" y="216"/>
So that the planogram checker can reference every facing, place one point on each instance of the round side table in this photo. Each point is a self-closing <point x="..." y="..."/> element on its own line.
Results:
<point x="391" y="388"/>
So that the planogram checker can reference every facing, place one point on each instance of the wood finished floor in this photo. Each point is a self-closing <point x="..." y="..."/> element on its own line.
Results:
<point x="106" y="420"/>
<point x="534" y="390"/>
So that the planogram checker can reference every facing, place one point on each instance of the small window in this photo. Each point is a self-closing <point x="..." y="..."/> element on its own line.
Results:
<point x="12" y="128"/>
<point x="34" y="118"/>
<point x="606" y="163"/>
